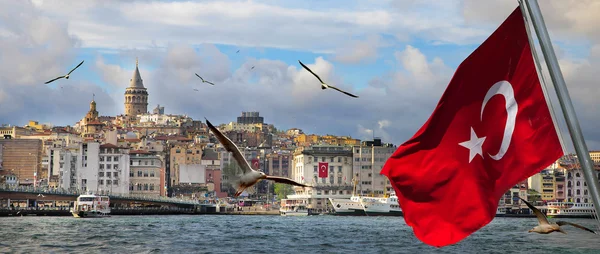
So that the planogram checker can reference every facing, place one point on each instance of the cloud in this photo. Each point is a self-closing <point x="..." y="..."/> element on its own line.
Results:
<point x="34" y="49"/>
<point x="112" y="24"/>
<point x="359" y="50"/>
<point x="37" y="45"/>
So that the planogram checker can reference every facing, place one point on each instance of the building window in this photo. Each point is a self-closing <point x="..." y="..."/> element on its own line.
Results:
<point x="139" y="173"/>
<point x="151" y="173"/>
<point x="339" y="169"/>
<point x="316" y="169"/>
<point x="145" y="173"/>
<point x="139" y="187"/>
<point x="115" y="182"/>
<point x="578" y="183"/>
<point x="100" y="182"/>
<point x="116" y="166"/>
<point x="151" y="186"/>
<point x="130" y="173"/>
<point x="115" y="174"/>
<point x="116" y="158"/>
<point x="107" y="174"/>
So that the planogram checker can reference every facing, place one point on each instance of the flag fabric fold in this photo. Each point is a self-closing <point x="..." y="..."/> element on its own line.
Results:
<point x="490" y="130"/>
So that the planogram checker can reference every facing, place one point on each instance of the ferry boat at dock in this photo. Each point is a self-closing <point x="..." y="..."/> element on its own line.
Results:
<point x="291" y="207"/>
<point x="91" y="206"/>
<point x="569" y="210"/>
<point x="382" y="206"/>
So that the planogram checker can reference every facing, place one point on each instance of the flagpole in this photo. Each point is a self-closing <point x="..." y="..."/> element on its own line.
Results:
<point x="565" y="101"/>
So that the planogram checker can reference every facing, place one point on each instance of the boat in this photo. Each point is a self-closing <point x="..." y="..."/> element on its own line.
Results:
<point x="347" y="206"/>
<point x="381" y="206"/>
<point x="570" y="210"/>
<point x="291" y="207"/>
<point x="91" y="206"/>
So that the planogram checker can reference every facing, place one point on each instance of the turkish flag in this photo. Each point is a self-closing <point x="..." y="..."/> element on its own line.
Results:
<point x="490" y="130"/>
<point x="323" y="166"/>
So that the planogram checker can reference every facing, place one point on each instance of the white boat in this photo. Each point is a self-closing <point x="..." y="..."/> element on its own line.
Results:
<point x="91" y="206"/>
<point x="348" y="206"/>
<point x="381" y="206"/>
<point x="291" y="207"/>
<point x="570" y="210"/>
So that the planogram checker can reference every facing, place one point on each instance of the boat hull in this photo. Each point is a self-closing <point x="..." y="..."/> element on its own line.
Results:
<point x="87" y="214"/>
<point x="390" y="213"/>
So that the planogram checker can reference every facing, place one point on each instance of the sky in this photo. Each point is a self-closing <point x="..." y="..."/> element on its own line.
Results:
<point x="397" y="55"/>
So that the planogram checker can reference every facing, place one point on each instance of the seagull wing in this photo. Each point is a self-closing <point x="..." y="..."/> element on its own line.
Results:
<point x="540" y="216"/>
<point x="199" y="77"/>
<point x="231" y="147"/>
<point x="210" y="82"/>
<point x="347" y="93"/>
<point x="47" y="82"/>
<point x="560" y="223"/>
<point x="285" y="180"/>
<point x="311" y="72"/>
<point x="76" y="67"/>
<point x="196" y="90"/>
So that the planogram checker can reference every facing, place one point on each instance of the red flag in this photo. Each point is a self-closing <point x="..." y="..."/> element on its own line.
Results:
<point x="490" y="130"/>
<point x="323" y="169"/>
<point x="255" y="164"/>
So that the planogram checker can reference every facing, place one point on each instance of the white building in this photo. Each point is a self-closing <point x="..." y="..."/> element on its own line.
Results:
<point x="92" y="167"/>
<point x="368" y="160"/>
<point x="337" y="183"/>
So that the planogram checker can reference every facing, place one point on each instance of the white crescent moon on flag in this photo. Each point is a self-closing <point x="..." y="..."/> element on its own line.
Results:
<point x="323" y="166"/>
<point x="505" y="89"/>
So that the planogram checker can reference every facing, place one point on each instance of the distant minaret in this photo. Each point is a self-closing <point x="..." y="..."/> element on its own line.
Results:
<point x="136" y="96"/>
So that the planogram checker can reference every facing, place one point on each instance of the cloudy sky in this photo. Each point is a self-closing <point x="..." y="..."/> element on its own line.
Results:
<point x="397" y="55"/>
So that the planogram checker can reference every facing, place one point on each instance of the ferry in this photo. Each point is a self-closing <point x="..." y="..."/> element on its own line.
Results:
<point x="290" y="207"/>
<point x="91" y="206"/>
<point x="348" y="207"/>
<point x="570" y="210"/>
<point x="381" y="206"/>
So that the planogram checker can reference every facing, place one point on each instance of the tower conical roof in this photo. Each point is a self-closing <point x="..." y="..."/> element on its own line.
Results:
<point x="136" y="80"/>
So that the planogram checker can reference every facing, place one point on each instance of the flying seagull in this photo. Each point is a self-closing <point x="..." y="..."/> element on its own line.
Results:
<point x="66" y="76"/>
<point x="546" y="227"/>
<point x="249" y="176"/>
<point x="323" y="84"/>
<point x="252" y="68"/>
<point x="196" y="90"/>
<point x="237" y="51"/>
<point x="204" y="81"/>
<point x="40" y="195"/>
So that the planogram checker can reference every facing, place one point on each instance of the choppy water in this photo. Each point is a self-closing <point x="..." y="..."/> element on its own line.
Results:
<point x="271" y="234"/>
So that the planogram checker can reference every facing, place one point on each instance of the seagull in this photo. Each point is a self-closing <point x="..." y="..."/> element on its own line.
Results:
<point x="40" y="195"/>
<point x="66" y="76"/>
<point x="237" y="51"/>
<point x="204" y="81"/>
<point x="196" y="90"/>
<point x="252" y="68"/>
<point x="249" y="176"/>
<point x="325" y="86"/>
<point x="546" y="227"/>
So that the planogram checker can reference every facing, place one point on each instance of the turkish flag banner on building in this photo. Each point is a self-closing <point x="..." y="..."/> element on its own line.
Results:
<point x="255" y="164"/>
<point x="323" y="169"/>
<point x="490" y="130"/>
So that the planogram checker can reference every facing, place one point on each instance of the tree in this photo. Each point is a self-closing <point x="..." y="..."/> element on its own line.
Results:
<point x="282" y="190"/>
